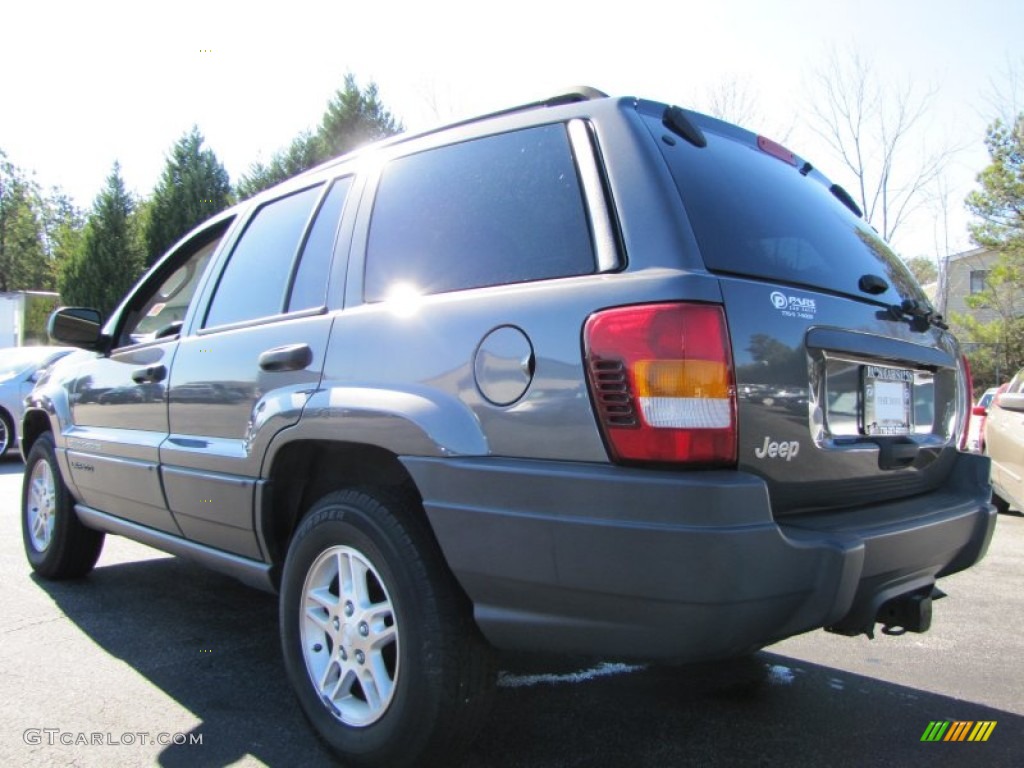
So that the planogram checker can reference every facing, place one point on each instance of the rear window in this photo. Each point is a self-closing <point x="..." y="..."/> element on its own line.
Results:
<point x="758" y="216"/>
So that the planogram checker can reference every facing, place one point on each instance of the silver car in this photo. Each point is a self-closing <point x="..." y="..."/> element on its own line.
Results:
<point x="19" y="369"/>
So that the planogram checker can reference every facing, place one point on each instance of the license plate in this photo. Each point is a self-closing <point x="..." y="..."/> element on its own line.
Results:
<point x="888" y="400"/>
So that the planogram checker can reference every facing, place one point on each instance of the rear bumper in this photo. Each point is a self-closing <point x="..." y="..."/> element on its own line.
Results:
<point x="623" y="562"/>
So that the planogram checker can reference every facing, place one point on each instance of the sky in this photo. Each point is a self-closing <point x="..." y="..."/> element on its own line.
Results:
<point x="83" y="84"/>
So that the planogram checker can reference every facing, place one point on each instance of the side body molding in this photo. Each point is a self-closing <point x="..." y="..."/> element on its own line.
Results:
<point x="410" y="421"/>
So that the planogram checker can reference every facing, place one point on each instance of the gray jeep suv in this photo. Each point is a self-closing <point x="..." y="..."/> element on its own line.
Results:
<point x="592" y="375"/>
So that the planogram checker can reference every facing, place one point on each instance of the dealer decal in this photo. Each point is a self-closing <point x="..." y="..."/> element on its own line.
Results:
<point x="794" y="306"/>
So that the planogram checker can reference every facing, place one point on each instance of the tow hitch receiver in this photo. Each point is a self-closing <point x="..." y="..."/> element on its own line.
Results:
<point x="909" y="613"/>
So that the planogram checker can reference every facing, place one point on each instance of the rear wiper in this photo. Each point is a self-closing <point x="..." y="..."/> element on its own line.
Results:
<point x="921" y="315"/>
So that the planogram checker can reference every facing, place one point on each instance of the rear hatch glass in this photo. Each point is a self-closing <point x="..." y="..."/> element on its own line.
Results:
<point x="755" y="214"/>
<point x="841" y="401"/>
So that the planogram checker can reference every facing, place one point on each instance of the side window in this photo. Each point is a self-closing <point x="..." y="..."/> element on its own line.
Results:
<point x="255" y="279"/>
<point x="160" y="314"/>
<point x="502" y="209"/>
<point x="309" y="288"/>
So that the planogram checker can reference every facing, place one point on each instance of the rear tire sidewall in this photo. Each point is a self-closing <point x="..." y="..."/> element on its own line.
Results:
<point x="404" y="726"/>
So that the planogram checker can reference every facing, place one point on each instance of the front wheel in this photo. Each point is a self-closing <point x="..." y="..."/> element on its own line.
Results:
<point x="6" y="433"/>
<point x="57" y="545"/>
<point x="378" y="640"/>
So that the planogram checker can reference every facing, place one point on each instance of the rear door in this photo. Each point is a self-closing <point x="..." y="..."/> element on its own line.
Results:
<point x="250" y="364"/>
<point x="846" y="393"/>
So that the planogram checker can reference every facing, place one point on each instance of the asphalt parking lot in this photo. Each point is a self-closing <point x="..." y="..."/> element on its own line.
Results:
<point x="152" y="649"/>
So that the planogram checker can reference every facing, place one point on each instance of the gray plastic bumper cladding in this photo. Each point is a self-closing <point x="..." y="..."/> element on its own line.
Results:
<point x="622" y="562"/>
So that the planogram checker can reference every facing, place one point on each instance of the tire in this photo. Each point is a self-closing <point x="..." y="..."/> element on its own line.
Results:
<point x="7" y="437"/>
<point x="389" y="668"/>
<point x="56" y="543"/>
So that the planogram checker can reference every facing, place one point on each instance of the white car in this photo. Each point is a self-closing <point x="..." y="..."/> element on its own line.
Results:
<point x="1004" y="443"/>
<point x="19" y="369"/>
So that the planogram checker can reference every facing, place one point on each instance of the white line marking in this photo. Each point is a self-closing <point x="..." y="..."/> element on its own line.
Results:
<point x="780" y="675"/>
<point x="604" y="669"/>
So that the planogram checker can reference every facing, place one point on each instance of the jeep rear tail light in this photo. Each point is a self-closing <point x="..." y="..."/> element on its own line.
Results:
<point x="662" y="383"/>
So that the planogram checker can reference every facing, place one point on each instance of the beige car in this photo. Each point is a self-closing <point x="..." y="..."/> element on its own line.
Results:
<point x="1004" y="443"/>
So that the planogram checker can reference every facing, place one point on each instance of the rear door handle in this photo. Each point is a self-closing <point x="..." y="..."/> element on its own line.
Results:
<point x="150" y="375"/>
<point x="293" y="357"/>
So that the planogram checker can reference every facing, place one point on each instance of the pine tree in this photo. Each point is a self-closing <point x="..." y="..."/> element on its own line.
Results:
<point x="193" y="187"/>
<point x="353" y="117"/>
<point x="23" y="262"/>
<point x="999" y="203"/>
<point x="999" y="207"/>
<point x="303" y="153"/>
<point x="63" y="228"/>
<point x="109" y="260"/>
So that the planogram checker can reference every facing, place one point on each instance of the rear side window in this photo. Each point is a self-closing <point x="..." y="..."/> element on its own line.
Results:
<point x="502" y="209"/>
<point x="255" y="279"/>
<point x="309" y="289"/>
<point x="759" y="216"/>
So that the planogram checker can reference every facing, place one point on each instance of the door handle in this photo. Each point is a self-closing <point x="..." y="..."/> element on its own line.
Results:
<point x="293" y="357"/>
<point x="152" y="374"/>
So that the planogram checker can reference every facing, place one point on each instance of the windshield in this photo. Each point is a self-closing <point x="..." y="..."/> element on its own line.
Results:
<point x="756" y="215"/>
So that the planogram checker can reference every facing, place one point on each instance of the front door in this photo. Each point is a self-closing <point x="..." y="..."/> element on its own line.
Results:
<point x="119" y="401"/>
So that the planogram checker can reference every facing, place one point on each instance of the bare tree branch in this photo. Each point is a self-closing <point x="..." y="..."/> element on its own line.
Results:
<point x="1005" y="96"/>
<point x="872" y="128"/>
<point x="736" y="100"/>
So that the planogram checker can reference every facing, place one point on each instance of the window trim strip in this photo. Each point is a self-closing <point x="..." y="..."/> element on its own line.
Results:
<point x="594" y="196"/>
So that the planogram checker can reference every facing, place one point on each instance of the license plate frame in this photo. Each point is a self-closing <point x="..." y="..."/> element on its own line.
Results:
<point x="887" y="397"/>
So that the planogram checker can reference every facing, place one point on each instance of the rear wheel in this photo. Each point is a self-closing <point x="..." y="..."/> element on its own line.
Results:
<point x="378" y="639"/>
<point x="56" y="543"/>
<point x="1002" y="505"/>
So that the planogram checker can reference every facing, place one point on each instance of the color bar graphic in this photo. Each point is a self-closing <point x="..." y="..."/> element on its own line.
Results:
<point x="958" y="730"/>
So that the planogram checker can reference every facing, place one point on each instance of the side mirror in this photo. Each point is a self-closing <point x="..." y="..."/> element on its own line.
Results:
<point x="979" y="410"/>
<point x="75" y="326"/>
<point x="1011" y="401"/>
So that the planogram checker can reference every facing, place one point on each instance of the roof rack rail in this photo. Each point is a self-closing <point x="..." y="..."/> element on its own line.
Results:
<point x="570" y="95"/>
<point x="575" y="93"/>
